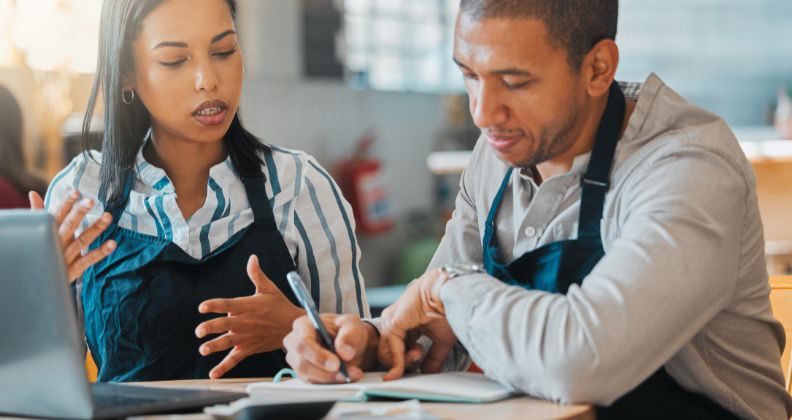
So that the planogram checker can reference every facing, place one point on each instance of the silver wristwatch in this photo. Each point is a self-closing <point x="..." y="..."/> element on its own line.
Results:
<point x="461" y="269"/>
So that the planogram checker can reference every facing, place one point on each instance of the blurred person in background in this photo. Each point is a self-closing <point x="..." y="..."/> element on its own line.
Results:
<point x="15" y="179"/>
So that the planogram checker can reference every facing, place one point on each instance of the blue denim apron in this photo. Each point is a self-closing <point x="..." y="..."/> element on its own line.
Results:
<point x="556" y="266"/>
<point x="141" y="302"/>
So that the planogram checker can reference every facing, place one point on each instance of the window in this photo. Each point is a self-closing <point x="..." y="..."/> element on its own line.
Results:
<point x="400" y="45"/>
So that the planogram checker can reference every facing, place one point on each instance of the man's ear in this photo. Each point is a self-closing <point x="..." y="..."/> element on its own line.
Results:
<point x="599" y="67"/>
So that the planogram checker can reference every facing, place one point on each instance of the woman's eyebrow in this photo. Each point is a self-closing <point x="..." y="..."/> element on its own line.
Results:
<point x="177" y="44"/>
<point x="218" y="37"/>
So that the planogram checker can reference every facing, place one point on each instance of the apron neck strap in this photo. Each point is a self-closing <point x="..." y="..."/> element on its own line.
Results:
<point x="255" y="188"/>
<point x="490" y="247"/>
<point x="254" y="180"/>
<point x="596" y="181"/>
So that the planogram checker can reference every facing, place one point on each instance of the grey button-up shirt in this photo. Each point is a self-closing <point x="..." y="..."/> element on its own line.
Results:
<point x="683" y="284"/>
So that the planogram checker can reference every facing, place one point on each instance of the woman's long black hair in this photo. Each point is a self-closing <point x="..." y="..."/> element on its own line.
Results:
<point x="125" y="126"/>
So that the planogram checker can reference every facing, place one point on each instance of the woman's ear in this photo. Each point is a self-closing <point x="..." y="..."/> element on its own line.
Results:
<point x="600" y="66"/>
<point x="128" y="81"/>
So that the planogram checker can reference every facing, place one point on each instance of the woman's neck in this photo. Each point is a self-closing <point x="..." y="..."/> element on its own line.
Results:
<point x="187" y="164"/>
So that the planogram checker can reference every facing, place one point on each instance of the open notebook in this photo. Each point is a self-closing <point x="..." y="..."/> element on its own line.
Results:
<point x="458" y="387"/>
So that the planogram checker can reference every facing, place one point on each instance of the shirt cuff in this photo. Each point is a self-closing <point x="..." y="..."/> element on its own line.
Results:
<point x="461" y="297"/>
<point x="374" y="322"/>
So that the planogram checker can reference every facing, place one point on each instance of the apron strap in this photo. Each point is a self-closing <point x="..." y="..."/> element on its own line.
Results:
<point x="491" y="261"/>
<point x="255" y="187"/>
<point x="596" y="181"/>
<point x="255" y="181"/>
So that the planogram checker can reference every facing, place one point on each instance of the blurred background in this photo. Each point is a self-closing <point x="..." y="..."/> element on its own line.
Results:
<point x="368" y="88"/>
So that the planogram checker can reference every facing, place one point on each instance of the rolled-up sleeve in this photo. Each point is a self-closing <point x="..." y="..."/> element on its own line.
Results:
<point x="674" y="265"/>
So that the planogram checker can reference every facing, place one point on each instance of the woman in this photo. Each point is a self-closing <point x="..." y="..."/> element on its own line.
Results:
<point x="193" y="215"/>
<point x="15" y="179"/>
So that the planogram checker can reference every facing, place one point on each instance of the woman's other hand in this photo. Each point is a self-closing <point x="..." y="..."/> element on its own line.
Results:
<point x="67" y="218"/>
<point x="254" y="324"/>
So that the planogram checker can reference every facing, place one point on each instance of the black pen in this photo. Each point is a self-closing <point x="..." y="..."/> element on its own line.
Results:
<point x="308" y="304"/>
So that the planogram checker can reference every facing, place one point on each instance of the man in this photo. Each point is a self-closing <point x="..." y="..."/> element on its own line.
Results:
<point x="620" y="239"/>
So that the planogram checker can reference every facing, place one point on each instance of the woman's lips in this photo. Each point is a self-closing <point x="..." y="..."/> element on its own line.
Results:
<point x="211" y="116"/>
<point x="211" y="113"/>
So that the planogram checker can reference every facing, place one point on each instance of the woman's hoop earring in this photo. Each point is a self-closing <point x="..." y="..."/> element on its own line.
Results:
<point x="127" y="96"/>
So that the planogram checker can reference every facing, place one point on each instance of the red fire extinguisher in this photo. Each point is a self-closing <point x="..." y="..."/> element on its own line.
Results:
<point x="363" y="184"/>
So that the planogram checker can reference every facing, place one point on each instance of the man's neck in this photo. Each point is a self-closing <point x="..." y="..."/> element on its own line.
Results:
<point x="584" y="143"/>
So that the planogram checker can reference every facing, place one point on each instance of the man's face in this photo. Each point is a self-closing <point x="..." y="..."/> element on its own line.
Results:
<point x="524" y="95"/>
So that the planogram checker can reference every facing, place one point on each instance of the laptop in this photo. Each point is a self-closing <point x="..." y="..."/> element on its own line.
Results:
<point x="42" y="359"/>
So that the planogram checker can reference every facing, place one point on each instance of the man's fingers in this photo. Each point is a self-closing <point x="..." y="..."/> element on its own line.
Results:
<point x="412" y="359"/>
<point x="260" y="280"/>
<point x="215" y="326"/>
<point x="70" y="223"/>
<point x="82" y="242"/>
<point x="36" y="202"/>
<point x="438" y="353"/>
<point x="310" y="350"/>
<point x="78" y="267"/>
<point x="351" y="337"/>
<point x="224" y="342"/>
<point x="229" y="362"/>
<point x="310" y="372"/>
<point x="393" y="352"/>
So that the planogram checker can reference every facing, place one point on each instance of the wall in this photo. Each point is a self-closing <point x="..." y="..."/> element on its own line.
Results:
<point x="325" y="118"/>
<point x="728" y="56"/>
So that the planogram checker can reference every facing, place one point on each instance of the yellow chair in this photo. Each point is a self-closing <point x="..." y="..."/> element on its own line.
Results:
<point x="781" y="301"/>
<point x="90" y="368"/>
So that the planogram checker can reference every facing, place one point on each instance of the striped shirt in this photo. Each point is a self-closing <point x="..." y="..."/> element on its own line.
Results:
<point x="310" y="212"/>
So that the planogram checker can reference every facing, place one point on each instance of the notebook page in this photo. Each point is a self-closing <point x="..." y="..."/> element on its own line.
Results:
<point x="296" y="388"/>
<point x="459" y="385"/>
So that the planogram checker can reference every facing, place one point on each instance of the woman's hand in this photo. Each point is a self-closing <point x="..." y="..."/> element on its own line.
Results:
<point x="254" y="324"/>
<point x="354" y="340"/>
<point x="67" y="219"/>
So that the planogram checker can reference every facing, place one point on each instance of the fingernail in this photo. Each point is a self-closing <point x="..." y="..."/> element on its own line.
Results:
<point x="203" y="350"/>
<point x="87" y="203"/>
<point x="74" y="195"/>
<point x="347" y="351"/>
<point x="200" y="333"/>
<point x="111" y="246"/>
<point x="331" y="364"/>
<point x="106" y="218"/>
<point x="340" y="378"/>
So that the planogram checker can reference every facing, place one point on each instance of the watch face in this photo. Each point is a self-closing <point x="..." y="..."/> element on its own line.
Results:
<point x="461" y="269"/>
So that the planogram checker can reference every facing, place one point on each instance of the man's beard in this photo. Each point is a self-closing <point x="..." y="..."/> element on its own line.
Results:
<point x="554" y="139"/>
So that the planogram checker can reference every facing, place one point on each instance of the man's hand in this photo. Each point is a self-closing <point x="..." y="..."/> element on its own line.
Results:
<point x="254" y="324"/>
<point x="417" y="312"/>
<point x="67" y="220"/>
<point x="354" y="340"/>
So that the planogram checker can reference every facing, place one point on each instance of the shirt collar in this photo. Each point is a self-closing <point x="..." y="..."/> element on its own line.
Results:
<point x="643" y="94"/>
<point x="223" y="173"/>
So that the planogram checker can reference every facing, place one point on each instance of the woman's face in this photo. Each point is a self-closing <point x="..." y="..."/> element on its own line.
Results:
<point x="188" y="69"/>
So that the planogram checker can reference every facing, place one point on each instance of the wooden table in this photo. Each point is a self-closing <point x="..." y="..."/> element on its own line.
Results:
<point x="513" y="408"/>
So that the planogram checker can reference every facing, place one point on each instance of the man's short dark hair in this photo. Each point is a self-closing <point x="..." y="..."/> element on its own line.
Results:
<point x="573" y="25"/>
